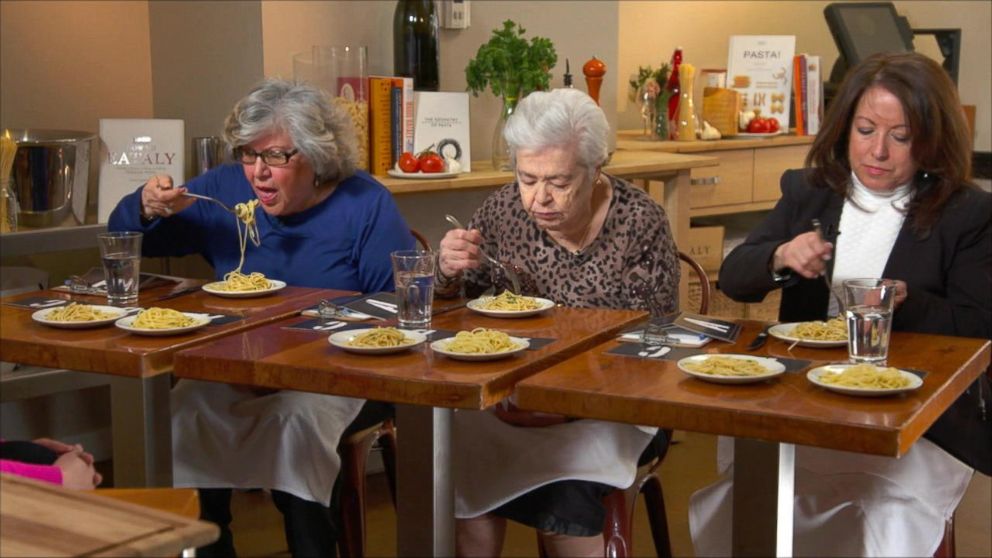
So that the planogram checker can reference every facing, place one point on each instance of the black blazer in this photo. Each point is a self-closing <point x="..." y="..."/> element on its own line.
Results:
<point x="948" y="273"/>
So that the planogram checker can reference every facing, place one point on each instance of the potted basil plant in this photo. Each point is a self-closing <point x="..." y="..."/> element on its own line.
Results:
<point x="511" y="67"/>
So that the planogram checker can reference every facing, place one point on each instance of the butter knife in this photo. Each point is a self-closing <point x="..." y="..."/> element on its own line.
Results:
<point x="760" y="340"/>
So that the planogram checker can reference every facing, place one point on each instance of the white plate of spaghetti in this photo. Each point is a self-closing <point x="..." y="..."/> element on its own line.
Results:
<point x="376" y="340"/>
<point x="480" y="344"/>
<point x="831" y="333"/>
<point x="162" y="321"/>
<point x="509" y="305"/>
<point x="730" y="369"/>
<point x="864" y="380"/>
<point x="251" y="287"/>
<point x="78" y="316"/>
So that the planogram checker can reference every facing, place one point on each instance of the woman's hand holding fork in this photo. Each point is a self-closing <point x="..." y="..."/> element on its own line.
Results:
<point x="160" y="198"/>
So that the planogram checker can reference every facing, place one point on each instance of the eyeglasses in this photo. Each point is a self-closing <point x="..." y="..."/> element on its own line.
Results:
<point x="271" y="157"/>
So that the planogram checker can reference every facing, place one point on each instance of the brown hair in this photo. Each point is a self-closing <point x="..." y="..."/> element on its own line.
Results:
<point x="941" y="142"/>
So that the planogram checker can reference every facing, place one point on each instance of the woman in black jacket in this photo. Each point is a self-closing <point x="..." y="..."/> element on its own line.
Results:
<point x="887" y="178"/>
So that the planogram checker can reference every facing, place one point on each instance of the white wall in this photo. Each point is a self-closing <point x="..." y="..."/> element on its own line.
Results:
<point x="65" y="65"/>
<point x="578" y="30"/>
<point x="650" y="30"/>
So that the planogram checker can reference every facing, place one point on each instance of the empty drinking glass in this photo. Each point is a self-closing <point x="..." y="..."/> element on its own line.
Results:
<point x="413" y="271"/>
<point x="868" y="307"/>
<point x="120" y="253"/>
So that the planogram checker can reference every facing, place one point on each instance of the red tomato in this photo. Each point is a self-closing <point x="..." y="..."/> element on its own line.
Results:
<point x="773" y="125"/>
<point x="757" y="125"/>
<point x="432" y="162"/>
<point x="408" y="162"/>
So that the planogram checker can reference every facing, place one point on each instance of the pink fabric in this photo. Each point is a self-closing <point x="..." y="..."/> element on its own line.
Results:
<point x="47" y="473"/>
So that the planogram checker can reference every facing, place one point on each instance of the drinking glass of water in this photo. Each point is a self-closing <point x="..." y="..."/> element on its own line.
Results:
<point x="120" y="253"/>
<point x="868" y="307"/>
<point x="413" y="271"/>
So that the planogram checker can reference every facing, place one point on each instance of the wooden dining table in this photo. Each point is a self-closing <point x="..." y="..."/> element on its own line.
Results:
<point x="140" y="365"/>
<point x="42" y="519"/>
<point x="426" y="386"/>
<point x="767" y="418"/>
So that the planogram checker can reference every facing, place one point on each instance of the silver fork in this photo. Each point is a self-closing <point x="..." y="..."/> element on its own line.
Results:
<point x="510" y="274"/>
<point x="208" y="198"/>
<point x="826" y="279"/>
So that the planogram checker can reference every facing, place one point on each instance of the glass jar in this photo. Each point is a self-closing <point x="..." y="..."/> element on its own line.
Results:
<point x="341" y="71"/>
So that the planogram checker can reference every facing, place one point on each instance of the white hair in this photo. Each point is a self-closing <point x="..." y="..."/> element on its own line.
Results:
<point x="559" y="118"/>
<point x="323" y="133"/>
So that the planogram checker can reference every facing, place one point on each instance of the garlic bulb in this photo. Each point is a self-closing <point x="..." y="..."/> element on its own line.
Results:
<point x="709" y="132"/>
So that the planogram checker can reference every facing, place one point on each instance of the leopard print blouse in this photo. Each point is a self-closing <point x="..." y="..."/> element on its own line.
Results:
<point x="632" y="263"/>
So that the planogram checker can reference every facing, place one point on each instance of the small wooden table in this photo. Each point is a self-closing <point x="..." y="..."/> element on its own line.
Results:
<point x="140" y="365"/>
<point x="767" y="418"/>
<point x="426" y="385"/>
<point x="40" y="519"/>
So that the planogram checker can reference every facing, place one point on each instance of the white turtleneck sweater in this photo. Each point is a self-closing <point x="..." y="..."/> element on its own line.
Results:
<point x="869" y="224"/>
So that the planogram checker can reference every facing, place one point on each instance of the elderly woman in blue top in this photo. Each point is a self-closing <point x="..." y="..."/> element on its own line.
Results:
<point x="322" y="224"/>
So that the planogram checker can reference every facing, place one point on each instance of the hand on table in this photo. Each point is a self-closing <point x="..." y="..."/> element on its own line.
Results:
<point x="78" y="472"/>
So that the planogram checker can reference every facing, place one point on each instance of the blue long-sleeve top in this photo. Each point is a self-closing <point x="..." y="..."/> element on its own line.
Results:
<point x="341" y="243"/>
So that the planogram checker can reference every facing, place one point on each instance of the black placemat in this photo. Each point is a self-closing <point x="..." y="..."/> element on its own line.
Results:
<point x="362" y="305"/>
<point x="221" y="319"/>
<point x="327" y="326"/>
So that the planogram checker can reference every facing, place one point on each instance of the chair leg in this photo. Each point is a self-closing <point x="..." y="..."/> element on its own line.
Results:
<point x="351" y="509"/>
<point x="654" y="500"/>
<point x="946" y="548"/>
<point x="616" y="528"/>
<point x="387" y="440"/>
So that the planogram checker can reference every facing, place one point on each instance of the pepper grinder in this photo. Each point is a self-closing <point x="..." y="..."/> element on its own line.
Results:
<point x="594" y="70"/>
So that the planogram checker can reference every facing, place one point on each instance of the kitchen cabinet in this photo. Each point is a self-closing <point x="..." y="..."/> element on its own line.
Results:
<point x="747" y="176"/>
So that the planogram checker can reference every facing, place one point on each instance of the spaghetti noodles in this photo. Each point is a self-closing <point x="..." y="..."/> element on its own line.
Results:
<point x="379" y="337"/>
<point x="161" y="318"/>
<point x="726" y="366"/>
<point x="236" y="281"/>
<point x="509" y="301"/>
<point x="866" y="376"/>
<point x="74" y="312"/>
<point x="480" y="341"/>
<point x="831" y="330"/>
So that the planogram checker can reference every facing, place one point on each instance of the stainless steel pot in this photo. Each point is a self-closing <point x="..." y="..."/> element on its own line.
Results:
<point x="50" y="174"/>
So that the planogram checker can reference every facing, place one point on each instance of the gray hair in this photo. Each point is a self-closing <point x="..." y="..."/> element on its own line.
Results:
<point x="322" y="132"/>
<point x="559" y="118"/>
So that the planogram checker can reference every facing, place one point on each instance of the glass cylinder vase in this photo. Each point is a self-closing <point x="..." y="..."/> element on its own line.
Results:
<point x="341" y="71"/>
<point x="501" y="151"/>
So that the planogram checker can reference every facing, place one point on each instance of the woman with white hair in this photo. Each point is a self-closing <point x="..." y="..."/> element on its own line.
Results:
<point x="581" y="238"/>
<point x="322" y="224"/>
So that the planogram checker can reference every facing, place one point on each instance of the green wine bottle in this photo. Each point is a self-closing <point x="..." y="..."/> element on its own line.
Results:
<point x="415" y="43"/>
